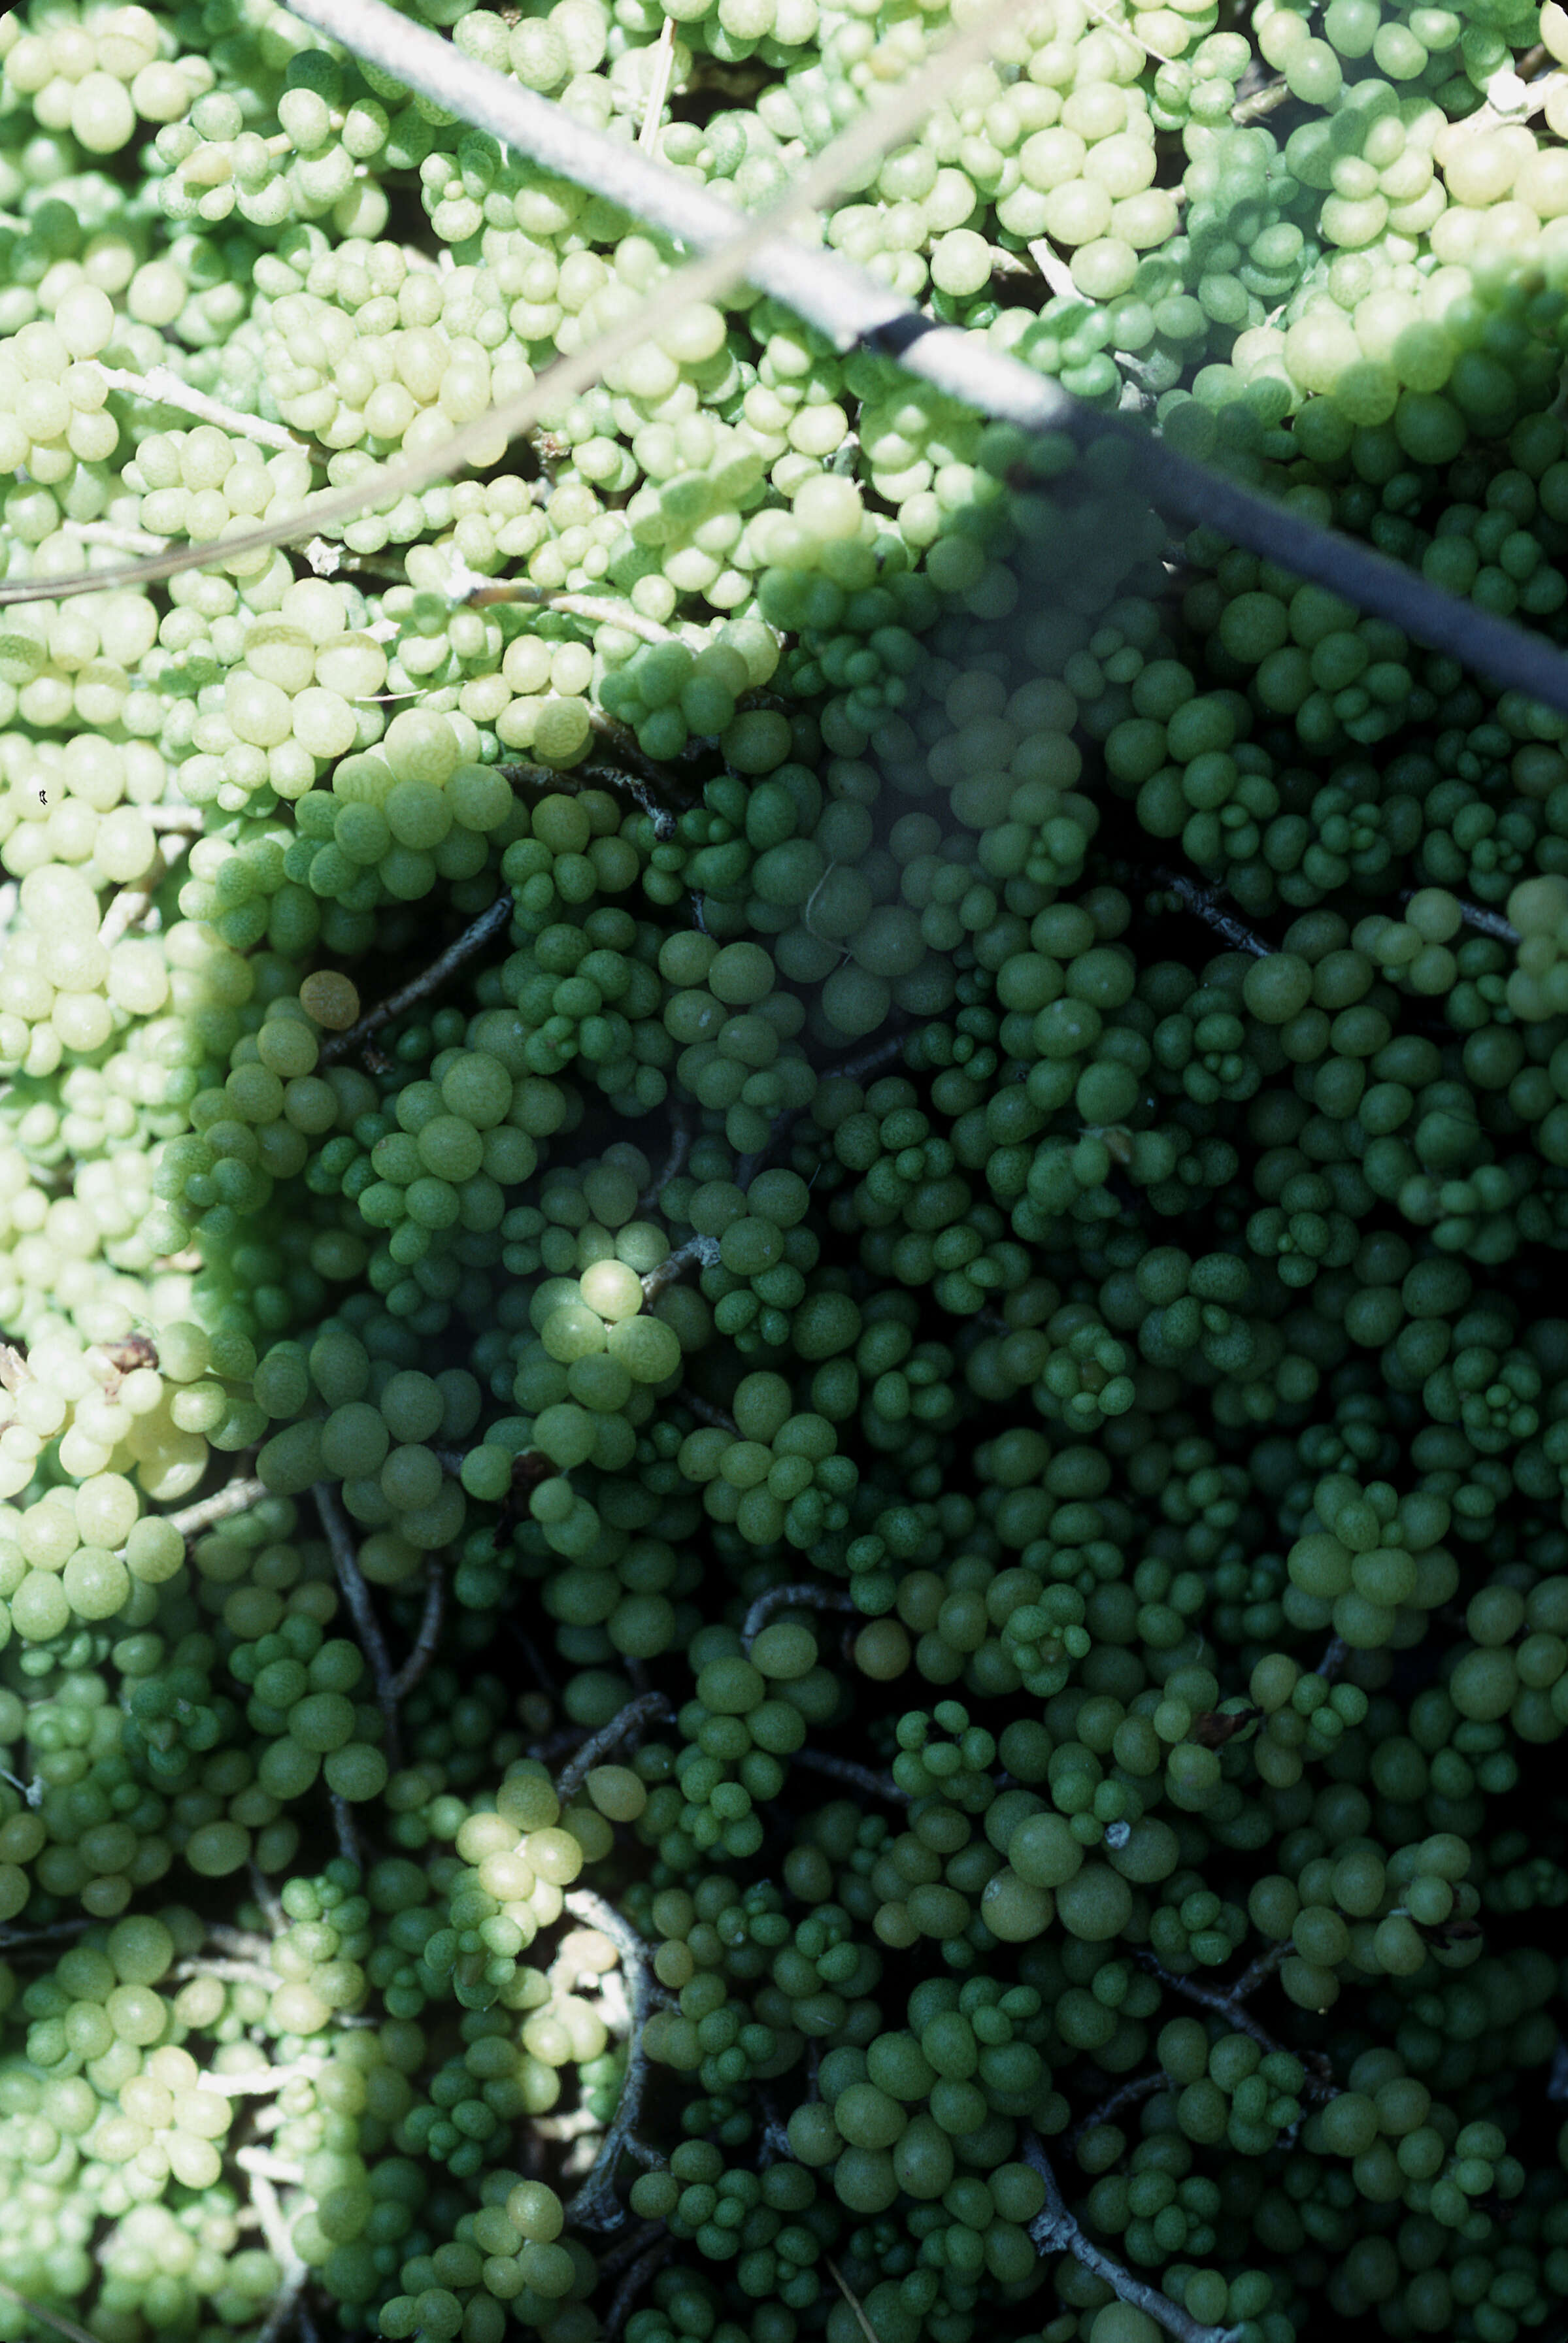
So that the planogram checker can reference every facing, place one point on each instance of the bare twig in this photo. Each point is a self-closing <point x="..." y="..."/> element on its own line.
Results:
<point x="14" y="1940"/>
<point x="260" y="2078"/>
<point x="1333" y="1658"/>
<point x="599" y="610"/>
<point x="474" y="938"/>
<point x="696" y="1252"/>
<point x="1056" y="2230"/>
<point x="1476" y="916"/>
<point x="885" y="1053"/>
<point x="621" y="1726"/>
<point x="1229" y="2003"/>
<point x="791" y="1598"/>
<point x="293" y="2277"/>
<point x="1222" y="2001"/>
<point x="717" y="1418"/>
<point x="856" y="2306"/>
<point x="1205" y="903"/>
<point x="658" y="88"/>
<point x="625" y="2251"/>
<point x="632" y="2284"/>
<point x="245" y="1943"/>
<point x="429" y="1635"/>
<point x="123" y="540"/>
<point x="1261" y="102"/>
<point x="234" y="1497"/>
<point x="674" y="1164"/>
<point x="628" y="750"/>
<point x="164" y="388"/>
<point x="129" y="906"/>
<point x="595" y="2204"/>
<point x="648" y="795"/>
<point x="1128" y="29"/>
<point x="1258" y="1972"/>
<point x="345" y="1830"/>
<point x="261" y="2164"/>
<point x="356" y="1594"/>
<point x="226" y="1972"/>
<point x="1521" y="91"/>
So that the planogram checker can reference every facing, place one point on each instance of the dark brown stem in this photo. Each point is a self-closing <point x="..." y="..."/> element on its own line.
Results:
<point x="673" y="1166"/>
<point x="632" y="2284"/>
<point x="635" y="1714"/>
<point x="429" y="1635"/>
<point x="356" y="1594"/>
<point x="791" y="1598"/>
<point x="346" y="1830"/>
<point x="618" y="2256"/>
<point x="474" y="938"/>
<point x="1229" y="2003"/>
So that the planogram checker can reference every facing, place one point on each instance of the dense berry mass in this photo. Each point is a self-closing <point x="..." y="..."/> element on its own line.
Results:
<point x="783" y="1441"/>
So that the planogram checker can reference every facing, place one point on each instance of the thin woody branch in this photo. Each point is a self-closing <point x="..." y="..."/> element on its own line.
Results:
<point x="696" y="1252"/>
<point x="1056" y="2230"/>
<point x="1206" y="903"/>
<point x="234" y="1497"/>
<point x="1477" y="916"/>
<point x="367" y="1626"/>
<point x="595" y="2204"/>
<point x="791" y="1598"/>
<point x="1229" y="2002"/>
<point x="474" y="938"/>
<point x="621" y="1726"/>
<point x="429" y="1635"/>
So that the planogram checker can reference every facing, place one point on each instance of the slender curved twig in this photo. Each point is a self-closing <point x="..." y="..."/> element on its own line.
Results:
<point x="1477" y="916"/>
<point x="474" y="937"/>
<point x="625" y="1722"/>
<point x="429" y="1635"/>
<point x="356" y="1594"/>
<point x="791" y="1598"/>
<point x="1229" y="2002"/>
<point x="234" y="1497"/>
<point x="1205" y="902"/>
<point x="595" y="2204"/>
<point x="643" y="2268"/>
<point x="696" y="1252"/>
<point x="1056" y="2230"/>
